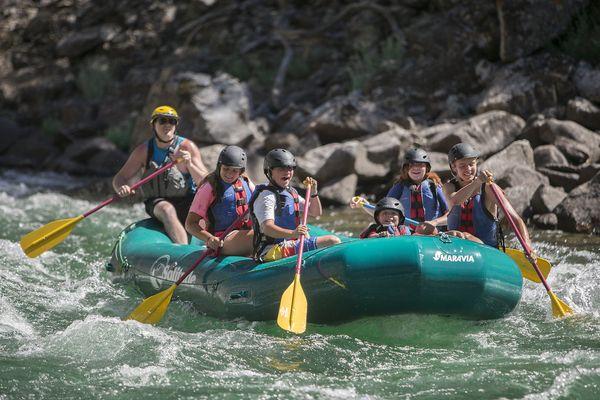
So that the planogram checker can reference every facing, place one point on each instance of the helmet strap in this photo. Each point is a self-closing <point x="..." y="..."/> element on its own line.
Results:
<point x="159" y="139"/>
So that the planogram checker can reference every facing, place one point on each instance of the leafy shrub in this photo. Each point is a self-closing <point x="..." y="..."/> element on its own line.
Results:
<point x="120" y="134"/>
<point x="369" y="62"/>
<point x="93" y="78"/>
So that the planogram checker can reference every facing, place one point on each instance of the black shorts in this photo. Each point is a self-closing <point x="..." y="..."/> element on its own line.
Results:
<point x="182" y="205"/>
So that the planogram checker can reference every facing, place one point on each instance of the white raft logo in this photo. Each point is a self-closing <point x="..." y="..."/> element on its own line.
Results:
<point x="161" y="269"/>
<point x="439" y="256"/>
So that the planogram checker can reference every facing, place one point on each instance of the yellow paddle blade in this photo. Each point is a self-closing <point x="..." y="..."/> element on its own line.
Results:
<point x="154" y="307"/>
<point x="48" y="236"/>
<point x="525" y="266"/>
<point x="293" y="308"/>
<point x="559" y="307"/>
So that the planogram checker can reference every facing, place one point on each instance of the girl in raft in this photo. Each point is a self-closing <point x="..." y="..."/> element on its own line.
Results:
<point x="389" y="220"/>
<point x="276" y="208"/>
<point x="221" y="198"/>
<point x="473" y="206"/>
<point x="420" y="192"/>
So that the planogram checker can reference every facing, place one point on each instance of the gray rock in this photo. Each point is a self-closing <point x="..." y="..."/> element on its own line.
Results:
<point x="548" y="154"/>
<point x="518" y="153"/>
<point x="546" y="198"/>
<point x="489" y="133"/>
<point x="32" y="150"/>
<point x="580" y="210"/>
<point x="587" y="81"/>
<point x="9" y="133"/>
<point x="329" y="161"/>
<point x="528" y="25"/>
<point x="545" y="221"/>
<point x="294" y="143"/>
<point x="439" y="164"/>
<point x="339" y="191"/>
<point x="584" y="112"/>
<point x="79" y="42"/>
<point x="566" y="180"/>
<point x="210" y="155"/>
<point x="520" y="182"/>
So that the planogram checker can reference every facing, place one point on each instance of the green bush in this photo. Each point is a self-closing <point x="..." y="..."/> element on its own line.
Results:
<point x="51" y="126"/>
<point x="120" y="134"/>
<point x="93" y="78"/>
<point x="582" y="40"/>
<point x="370" y="62"/>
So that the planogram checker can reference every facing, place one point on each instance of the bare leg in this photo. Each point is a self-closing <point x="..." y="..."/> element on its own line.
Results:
<point x="327" y="240"/>
<point x="238" y="243"/>
<point x="464" y="235"/>
<point x="165" y="213"/>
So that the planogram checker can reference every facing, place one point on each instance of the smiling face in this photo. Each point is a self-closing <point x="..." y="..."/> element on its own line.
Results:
<point x="282" y="176"/>
<point x="165" y="128"/>
<point x="229" y="174"/>
<point x="388" y="217"/>
<point x="465" y="169"/>
<point x="417" y="171"/>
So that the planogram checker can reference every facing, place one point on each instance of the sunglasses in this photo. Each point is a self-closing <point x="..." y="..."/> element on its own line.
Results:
<point x="164" y="121"/>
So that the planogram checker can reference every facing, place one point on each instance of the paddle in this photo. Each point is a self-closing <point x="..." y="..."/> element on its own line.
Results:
<point x="293" y="305"/>
<point x="559" y="308"/>
<point x="51" y="234"/>
<point x="517" y="255"/>
<point x="154" y="307"/>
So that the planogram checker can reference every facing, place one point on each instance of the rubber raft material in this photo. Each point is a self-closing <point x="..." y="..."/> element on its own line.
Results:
<point x="382" y="276"/>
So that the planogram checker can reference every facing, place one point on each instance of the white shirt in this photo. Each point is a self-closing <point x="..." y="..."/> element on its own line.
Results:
<point x="264" y="206"/>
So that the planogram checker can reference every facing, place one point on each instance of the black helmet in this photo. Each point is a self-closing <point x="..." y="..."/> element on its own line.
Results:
<point x="389" y="203"/>
<point x="460" y="151"/>
<point x="278" y="158"/>
<point x="415" y="155"/>
<point x="232" y="156"/>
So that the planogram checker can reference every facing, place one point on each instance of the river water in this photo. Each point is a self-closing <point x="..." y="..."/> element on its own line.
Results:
<point x="61" y="333"/>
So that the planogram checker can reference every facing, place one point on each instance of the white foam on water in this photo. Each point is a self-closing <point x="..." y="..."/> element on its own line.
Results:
<point x="563" y="383"/>
<point x="11" y="321"/>
<point x="143" y="376"/>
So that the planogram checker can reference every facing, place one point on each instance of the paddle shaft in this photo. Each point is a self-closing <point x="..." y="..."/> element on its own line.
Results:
<point x="514" y="227"/>
<point x="210" y="251"/>
<point x="116" y="197"/>
<point x="301" y="238"/>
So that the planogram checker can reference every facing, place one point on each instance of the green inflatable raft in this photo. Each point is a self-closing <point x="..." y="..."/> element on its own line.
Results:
<point x="405" y="274"/>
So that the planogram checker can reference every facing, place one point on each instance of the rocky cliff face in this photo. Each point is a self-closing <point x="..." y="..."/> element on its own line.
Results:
<point x="347" y="86"/>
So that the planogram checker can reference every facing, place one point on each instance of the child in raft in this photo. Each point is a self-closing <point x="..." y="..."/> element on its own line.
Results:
<point x="276" y="208"/>
<point x="420" y="192"/>
<point x="389" y="220"/>
<point x="221" y="198"/>
<point x="473" y="206"/>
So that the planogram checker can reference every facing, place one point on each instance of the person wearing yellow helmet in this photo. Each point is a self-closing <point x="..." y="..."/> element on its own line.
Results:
<point x="169" y="195"/>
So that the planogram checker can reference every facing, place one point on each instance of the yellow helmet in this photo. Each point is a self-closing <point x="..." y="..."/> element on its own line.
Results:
<point x="164" y="111"/>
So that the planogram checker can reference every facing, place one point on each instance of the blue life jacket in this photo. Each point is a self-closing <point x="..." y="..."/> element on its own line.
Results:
<point x="160" y="157"/>
<point x="224" y="211"/>
<point x="287" y="214"/>
<point x="485" y="224"/>
<point x="434" y="201"/>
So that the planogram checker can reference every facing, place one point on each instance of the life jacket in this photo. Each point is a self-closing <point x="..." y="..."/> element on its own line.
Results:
<point x="473" y="217"/>
<point x="375" y="229"/>
<point x="169" y="183"/>
<point x="431" y="206"/>
<point x="287" y="214"/>
<point x="233" y="203"/>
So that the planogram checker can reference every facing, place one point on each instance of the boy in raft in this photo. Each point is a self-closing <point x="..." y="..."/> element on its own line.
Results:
<point x="168" y="196"/>
<point x="473" y="206"/>
<point x="389" y="220"/>
<point x="420" y="191"/>
<point x="276" y="207"/>
<point x="222" y="197"/>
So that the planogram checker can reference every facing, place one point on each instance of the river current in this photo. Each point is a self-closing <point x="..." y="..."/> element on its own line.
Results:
<point x="62" y="336"/>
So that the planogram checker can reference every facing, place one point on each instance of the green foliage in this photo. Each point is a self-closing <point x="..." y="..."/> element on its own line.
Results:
<point x="370" y="62"/>
<point x="582" y="40"/>
<point x="93" y="78"/>
<point x="120" y="134"/>
<point x="51" y="126"/>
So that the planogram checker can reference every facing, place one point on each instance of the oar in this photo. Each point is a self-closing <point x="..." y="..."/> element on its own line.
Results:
<point x="517" y="255"/>
<point x="51" y="234"/>
<point x="293" y="305"/>
<point x="559" y="307"/>
<point x="154" y="307"/>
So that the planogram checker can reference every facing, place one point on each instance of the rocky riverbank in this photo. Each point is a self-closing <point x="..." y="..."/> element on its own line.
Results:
<point x="347" y="86"/>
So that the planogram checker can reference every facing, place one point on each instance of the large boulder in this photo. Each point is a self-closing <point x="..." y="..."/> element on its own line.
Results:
<point x="579" y="211"/>
<point x="528" y="25"/>
<point x="78" y="42"/>
<point x="546" y="198"/>
<point x="489" y="133"/>
<point x="548" y="154"/>
<point x="587" y="81"/>
<point x="33" y="149"/>
<point x="527" y="86"/>
<point x="563" y="179"/>
<point x="213" y="109"/>
<point x="340" y="190"/>
<point x="584" y="112"/>
<point x="344" y="118"/>
<point x="330" y="161"/>
<point x="578" y="144"/>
